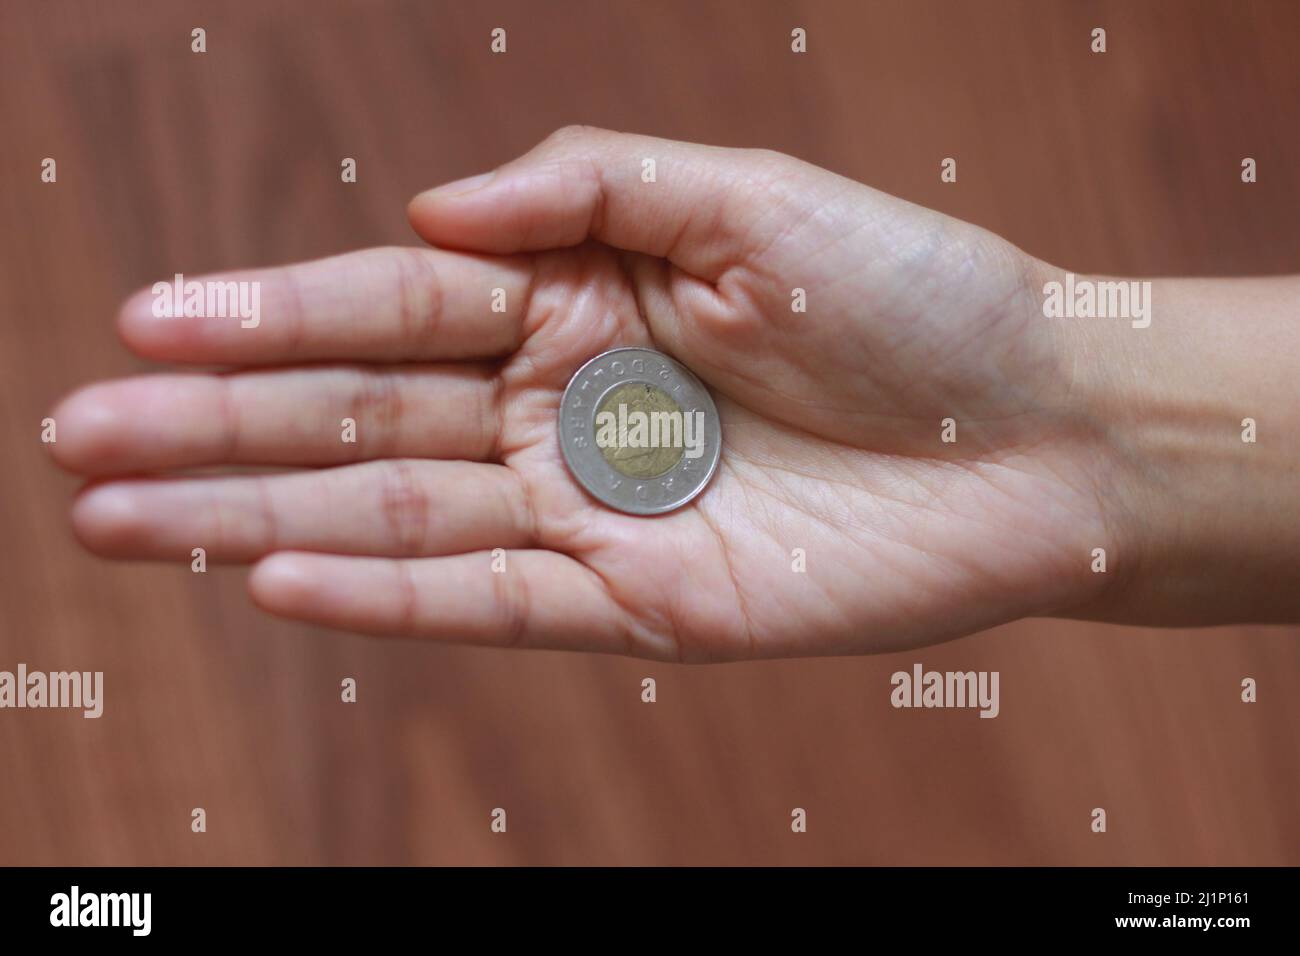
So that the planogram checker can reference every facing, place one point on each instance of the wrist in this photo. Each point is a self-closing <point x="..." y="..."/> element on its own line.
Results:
<point x="1190" y="423"/>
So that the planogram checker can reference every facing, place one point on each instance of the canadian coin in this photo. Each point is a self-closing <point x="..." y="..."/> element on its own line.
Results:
<point x="639" y="431"/>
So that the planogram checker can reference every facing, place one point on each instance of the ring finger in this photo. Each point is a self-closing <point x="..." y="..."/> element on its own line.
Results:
<point x="396" y="508"/>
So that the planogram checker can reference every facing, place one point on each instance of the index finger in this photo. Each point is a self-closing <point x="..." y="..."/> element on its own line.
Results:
<point x="387" y="304"/>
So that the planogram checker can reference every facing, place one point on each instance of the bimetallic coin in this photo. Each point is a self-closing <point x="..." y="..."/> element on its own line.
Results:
<point x="639" y="431"/>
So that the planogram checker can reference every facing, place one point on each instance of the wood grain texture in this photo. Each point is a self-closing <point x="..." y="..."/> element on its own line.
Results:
<point x="170" y="161"/>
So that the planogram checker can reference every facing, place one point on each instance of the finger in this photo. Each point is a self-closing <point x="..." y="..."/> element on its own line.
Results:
<point x="538" y="599"/>
<point x="376" y="305"/>
<point x="700" y="211"/>
<point x="397" y="507"/>
<point x="280" y="417"/>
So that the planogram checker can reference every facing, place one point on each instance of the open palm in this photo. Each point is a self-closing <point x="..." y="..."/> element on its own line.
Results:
<point x="837" y="328"/>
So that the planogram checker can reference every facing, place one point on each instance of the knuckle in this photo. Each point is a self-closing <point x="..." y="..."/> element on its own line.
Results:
<point x="419" y="297"/>
<point x="517" y="506"/>
<point x="573" y="132"/>
<point x="378" y="402"/>
<point x="405" y="505"/>
<point x="491" y="408"/>
<point x="512" y="602"/>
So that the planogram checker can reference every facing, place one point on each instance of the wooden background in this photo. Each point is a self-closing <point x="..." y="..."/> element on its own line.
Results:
<point x="170" y="161"/>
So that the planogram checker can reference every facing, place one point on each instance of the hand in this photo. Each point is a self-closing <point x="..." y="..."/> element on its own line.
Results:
<point x="832" y="419"/>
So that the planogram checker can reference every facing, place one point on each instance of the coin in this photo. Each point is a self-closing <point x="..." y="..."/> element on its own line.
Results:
<point x="639" y="431"/>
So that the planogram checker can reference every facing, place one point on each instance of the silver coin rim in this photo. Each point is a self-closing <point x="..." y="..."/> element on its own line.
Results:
<point x="691" y="378"/>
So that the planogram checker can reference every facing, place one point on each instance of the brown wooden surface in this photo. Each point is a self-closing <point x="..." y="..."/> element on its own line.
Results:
<point x="170" y="161"/>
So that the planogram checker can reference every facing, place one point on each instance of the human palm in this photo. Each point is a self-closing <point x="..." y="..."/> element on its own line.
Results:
<point x="837" y="329"/>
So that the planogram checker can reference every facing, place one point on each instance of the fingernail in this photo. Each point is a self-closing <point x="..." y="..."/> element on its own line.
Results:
<point x="462" y="186"/>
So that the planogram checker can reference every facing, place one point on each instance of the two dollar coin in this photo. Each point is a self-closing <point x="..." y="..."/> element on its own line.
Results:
<point x="639" y="431"/>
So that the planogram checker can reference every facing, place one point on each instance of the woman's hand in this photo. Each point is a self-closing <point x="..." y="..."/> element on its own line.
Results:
<point x="833" y="420"/>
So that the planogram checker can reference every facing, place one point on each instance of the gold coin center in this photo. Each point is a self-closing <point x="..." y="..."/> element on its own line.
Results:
<point x="639" y="430"/>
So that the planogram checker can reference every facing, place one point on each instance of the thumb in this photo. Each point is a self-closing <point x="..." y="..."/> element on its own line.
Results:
<point x="697" y="206"/>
